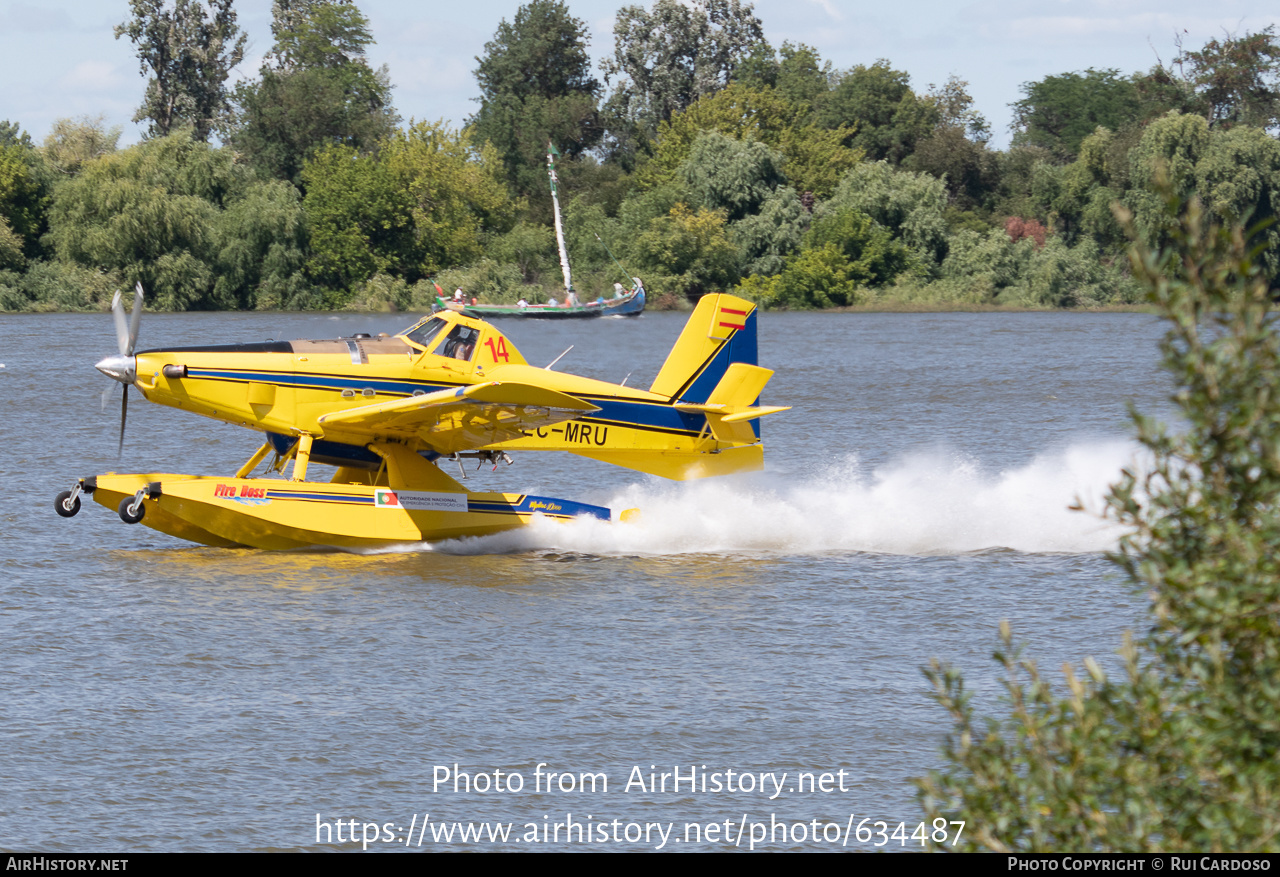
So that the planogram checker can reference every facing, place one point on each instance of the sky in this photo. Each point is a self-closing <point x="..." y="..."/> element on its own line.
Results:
<point x="60" y="59"/>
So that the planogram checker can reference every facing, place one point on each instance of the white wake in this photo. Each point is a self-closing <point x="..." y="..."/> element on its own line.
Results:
<point x="930" y="503"/>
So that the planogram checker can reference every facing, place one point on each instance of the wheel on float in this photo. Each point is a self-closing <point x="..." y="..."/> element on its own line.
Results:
<point x="64" y="505"/>
<point x="131" y="517"/>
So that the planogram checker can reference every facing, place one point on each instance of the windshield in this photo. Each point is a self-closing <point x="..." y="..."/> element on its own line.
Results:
<point x="423" y="333"/>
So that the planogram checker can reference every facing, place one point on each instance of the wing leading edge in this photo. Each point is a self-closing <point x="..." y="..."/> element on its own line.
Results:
<point x="449" y="421"/>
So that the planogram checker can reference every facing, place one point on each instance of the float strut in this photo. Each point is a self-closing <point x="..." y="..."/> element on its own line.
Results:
<point x="257" y="458"/>
<point x="302" y="458"/>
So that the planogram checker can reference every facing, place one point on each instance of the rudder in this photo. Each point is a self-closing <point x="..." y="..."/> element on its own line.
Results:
<point x="721" y="331"/>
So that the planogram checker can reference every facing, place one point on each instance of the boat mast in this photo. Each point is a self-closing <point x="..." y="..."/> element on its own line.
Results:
<point x="552" y="152"/>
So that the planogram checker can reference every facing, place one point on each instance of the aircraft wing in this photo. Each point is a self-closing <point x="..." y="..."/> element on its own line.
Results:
<point x="460" y="420"/>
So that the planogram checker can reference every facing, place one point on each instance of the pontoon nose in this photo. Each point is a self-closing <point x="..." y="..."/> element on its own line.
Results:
<point x="119" y="368"/>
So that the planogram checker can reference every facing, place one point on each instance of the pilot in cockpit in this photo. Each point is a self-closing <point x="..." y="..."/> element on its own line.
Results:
<point x="461" y="343"/>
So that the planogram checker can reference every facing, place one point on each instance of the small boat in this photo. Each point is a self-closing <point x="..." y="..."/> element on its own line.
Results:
<point x="627" y="305"/>
<point x="623" y="304"/>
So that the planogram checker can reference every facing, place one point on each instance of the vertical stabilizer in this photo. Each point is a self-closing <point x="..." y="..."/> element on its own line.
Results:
<point x="722" y="331"/>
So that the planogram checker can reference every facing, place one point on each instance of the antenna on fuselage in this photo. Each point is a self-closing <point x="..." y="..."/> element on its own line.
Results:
<point x="558" y="358"/>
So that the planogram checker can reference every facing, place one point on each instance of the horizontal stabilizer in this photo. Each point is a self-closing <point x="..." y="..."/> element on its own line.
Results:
<point x="730" y="406"/>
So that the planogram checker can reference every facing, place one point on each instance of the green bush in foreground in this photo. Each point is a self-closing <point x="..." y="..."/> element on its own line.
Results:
<point x="1182" y="752"/>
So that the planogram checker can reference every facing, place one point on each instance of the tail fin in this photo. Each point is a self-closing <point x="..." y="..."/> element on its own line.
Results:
<point x="721" y="331"/>
<point x="713" y="384"/>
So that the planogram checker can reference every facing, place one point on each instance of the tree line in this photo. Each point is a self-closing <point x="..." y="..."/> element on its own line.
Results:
<point x="698" y="156"/>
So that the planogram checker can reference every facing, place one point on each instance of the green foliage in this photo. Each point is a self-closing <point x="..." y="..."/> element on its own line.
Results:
<point x="1236" y="80"/>
<point x="768" y="237"/>
<point x="11" y="134"/>
<point x="311" y="34"/>
<point x="1085" y="190"/>
<point x="970" y="170"/>
<point x="536" y="86"/>
<point x="731" y="175"/>
<point x="65" y="286"/>
<point x="360" y="216"/>
<point x="321" y="91"/>
<point x="530" y="248"/>
<point x="10" y="247"/>
<point x="182" y="219"/>
<point x="1236" y="172"/>
<point x="1181" y="751"/>
<point x="286" y="117"/>
<point x="24" y="196"/>
<point x="802" y="80"/>
<point x="820" y="277"/>
<point x="874" y="256"/>
<point x="424" y="203"/>
<point x="188" y="52"/>
<point x="910" y="205"/>
<point x="843" y="254"/>
<point x="883" y="115"/>
<point x="668" y="57"/>
<point x="955" y="109"/>
<point x="1058" y="112"/>
<point x="149" y="213"/>
<point x="491" y="281"/>
<point x="689" y="251"/>
<point x="262" y="245"/>
<point x="993" y="269"/>
<point x="1238" y="178"/>
<point x="74" y="142"/>
<point x="814" y="157"/>
<point x="583" y="221"/>
<point x="541" y="52"/>
<point x="1021" y="169"/>
<point x="457" y="195"/>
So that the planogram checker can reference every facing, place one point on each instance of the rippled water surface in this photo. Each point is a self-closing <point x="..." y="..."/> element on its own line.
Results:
<point x="160" y="696"/>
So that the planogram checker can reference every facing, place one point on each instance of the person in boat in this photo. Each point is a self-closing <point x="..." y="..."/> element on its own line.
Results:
<point x="571" y="299"/>
<point x="551" y="302"/>
<point x="458" y="296"/>
<point x="475" y="300"/>
<point x="617" y="290"/>
<point x="522" y="303"/>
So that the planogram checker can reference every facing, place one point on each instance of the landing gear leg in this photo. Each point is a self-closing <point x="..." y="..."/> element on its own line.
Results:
<point x="131" y="509"/>
<point x="67" y="503"/>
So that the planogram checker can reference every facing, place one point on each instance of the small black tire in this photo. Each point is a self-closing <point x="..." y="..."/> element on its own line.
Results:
<point x="65" y="506"/>
<point x="126" y="515"/>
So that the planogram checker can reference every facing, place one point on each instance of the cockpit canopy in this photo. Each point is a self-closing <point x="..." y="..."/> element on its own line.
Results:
<point x="456" y="336"/>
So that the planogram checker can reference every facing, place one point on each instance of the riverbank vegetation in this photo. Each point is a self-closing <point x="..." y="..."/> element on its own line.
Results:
<point x="1177" y="748"/>
<point x="699" y="155"/>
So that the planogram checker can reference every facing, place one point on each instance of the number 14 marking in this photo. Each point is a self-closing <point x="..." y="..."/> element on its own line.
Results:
<point x="498" y="348"/>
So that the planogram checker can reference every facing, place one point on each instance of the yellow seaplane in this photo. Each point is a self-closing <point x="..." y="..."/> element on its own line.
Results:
<point x="386" y="411"/>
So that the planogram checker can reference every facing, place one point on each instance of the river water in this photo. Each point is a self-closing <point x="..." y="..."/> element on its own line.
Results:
<point x="753" y="633"/>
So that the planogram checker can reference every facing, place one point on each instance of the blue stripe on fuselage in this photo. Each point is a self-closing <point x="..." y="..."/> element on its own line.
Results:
<point x="657" y="416"/>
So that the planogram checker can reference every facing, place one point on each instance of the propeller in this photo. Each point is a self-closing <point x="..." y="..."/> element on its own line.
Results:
<point x="124" y="366"/>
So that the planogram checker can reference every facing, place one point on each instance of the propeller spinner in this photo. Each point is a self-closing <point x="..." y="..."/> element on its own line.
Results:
<point x="123" y="367"/>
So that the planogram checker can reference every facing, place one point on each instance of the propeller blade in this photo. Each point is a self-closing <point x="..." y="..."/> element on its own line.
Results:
<point x="124" y="413"/>
<point x="134" y="318"/>
<point x="122" y="327"/>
